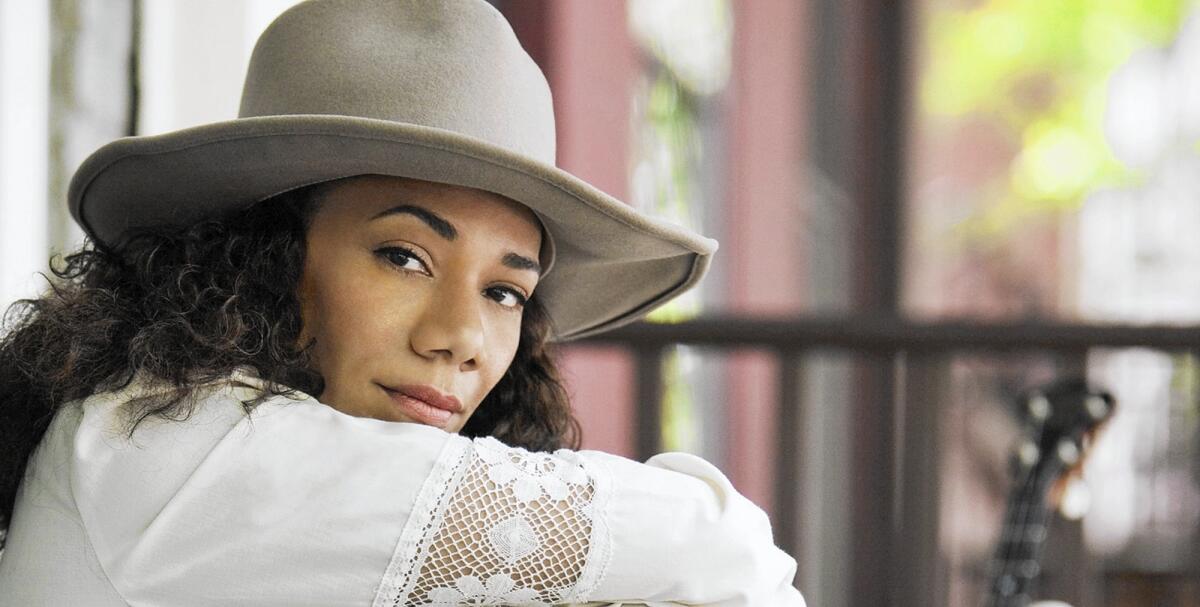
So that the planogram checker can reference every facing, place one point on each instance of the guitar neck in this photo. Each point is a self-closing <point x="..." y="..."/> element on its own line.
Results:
<point x="1016" y="563"/>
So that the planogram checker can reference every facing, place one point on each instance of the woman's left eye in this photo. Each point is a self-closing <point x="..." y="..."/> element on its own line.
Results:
<point x="507" y="297"/>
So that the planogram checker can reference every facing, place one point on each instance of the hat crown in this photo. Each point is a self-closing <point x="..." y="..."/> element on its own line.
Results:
<point x="449" y="64"/>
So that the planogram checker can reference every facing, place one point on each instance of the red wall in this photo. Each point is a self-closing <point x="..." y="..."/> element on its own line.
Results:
<point x="584" y="48"/>
<point x="765" y="210"/>
<point x="586" y="51"/>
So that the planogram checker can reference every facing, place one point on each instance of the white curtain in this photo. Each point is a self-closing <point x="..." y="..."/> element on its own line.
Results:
<point x="24" y="142"/>
<point x="65" y="90"/>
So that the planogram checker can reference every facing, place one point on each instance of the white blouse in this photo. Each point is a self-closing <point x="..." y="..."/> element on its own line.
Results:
<point x="299" y="504"/>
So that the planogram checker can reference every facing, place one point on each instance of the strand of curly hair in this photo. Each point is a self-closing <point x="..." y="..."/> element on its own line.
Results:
<point x="191" y="305"/>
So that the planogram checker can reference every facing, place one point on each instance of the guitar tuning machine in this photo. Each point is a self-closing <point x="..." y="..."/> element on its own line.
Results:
<point x="1096" y="407"/>
<point x="1039" y="406"/>
<point x="1028" y="453"/>
<point x="1068" y="452"/>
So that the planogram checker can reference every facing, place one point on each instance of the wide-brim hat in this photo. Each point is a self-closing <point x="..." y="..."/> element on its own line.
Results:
<point x="438" y="90"/>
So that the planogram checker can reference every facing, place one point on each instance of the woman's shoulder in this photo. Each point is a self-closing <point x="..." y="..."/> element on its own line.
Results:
<point x="222" y="402"/>
<point x="143" y="386"/>
<point x="152" y="408"/>
<point x="152" y="411"/>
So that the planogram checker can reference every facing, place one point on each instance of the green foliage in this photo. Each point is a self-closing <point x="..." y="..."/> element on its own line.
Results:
<point x="680" y="419"/>
<point x="670" y="119"/>
<point x="1039" y="70"/>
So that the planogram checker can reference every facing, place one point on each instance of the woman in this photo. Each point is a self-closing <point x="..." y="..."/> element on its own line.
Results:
<point x="303" y="361"/>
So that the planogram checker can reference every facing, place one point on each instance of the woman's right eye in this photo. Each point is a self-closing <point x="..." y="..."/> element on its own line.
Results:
<point x="403" y="258"/>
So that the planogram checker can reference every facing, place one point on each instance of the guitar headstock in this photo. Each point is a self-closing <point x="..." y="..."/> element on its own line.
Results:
<point x="1059" y="419"/>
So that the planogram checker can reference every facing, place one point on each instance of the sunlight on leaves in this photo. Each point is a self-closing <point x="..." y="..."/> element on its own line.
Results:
<point x="1039" y="71"/>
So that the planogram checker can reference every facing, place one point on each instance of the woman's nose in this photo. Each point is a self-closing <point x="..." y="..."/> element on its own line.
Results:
<point x="451" y="327"/>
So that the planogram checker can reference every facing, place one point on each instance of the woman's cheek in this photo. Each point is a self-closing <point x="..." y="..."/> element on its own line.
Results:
<point x="382" y="321"/>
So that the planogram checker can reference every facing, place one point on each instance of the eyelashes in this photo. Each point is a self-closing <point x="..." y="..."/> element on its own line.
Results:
<point x="400" y="256"/>
<point x="519" y="300"/>
<point x="406" y="259"/>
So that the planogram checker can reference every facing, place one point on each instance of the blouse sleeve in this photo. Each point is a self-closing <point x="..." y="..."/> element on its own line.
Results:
<point x="299" y="504"/>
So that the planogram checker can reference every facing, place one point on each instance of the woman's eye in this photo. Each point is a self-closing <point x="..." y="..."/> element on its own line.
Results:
<point x="403" y="258"/>
<point x="507" y="297"/>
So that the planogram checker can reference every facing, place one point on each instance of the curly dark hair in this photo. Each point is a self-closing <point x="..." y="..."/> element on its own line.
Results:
<point x="190" y="305"/>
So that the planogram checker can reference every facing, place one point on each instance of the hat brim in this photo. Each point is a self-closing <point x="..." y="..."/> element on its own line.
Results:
<point x="612" y="265"/>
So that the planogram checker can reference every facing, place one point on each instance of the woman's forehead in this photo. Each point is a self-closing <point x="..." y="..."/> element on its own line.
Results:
<point x="367" y="195"/>
<point x="365" y="200"/>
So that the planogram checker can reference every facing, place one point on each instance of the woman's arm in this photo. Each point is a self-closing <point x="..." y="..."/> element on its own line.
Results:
<point x="519" y="527"/>
<point x="299" y="504"/>
<point x="687" y="536"/>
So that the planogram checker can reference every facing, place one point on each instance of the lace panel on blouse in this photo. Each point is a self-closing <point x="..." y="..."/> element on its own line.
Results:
<point x="497" y="525"/>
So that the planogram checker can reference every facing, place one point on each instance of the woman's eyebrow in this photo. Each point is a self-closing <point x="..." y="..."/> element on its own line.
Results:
<point x="520" y="262"/>
<point x="444" y="228"/>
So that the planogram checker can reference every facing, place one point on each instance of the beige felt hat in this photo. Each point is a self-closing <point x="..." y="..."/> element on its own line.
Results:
<point x="438" y="90"/>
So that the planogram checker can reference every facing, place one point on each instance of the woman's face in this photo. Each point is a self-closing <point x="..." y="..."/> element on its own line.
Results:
<point x="413" y="292"/>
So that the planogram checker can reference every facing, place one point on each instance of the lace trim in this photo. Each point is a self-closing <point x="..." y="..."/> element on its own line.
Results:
<point x="424" y="518"/>
<point x="601" y="537"/>
<point x="496" y="525"/>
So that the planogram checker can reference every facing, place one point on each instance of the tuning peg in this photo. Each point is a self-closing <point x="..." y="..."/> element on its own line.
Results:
<point x="1076" y="499"/>
<point x="1038" y="406"/>
<point x="1068" y="452"/>
<point x="1028" y="453"/>
<point x="1096" y="407"/>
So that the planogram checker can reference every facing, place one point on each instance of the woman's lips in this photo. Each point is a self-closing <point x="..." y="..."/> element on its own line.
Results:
<point x="424" y="404"/>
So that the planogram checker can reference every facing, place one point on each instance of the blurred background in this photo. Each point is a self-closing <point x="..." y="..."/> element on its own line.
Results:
<point x="926" y="210"/>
